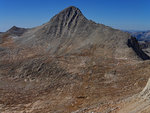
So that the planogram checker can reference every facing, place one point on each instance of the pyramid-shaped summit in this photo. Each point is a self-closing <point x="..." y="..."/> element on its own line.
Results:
<point x="66" y="22"/>
<point x="71" y="10"/>
<point x="69" y="32"/>
<point x="69" y="23"/>
<point x="68" y="13"/>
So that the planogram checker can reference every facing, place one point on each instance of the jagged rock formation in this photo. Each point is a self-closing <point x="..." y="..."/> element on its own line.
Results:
<point x="134" y="44"/>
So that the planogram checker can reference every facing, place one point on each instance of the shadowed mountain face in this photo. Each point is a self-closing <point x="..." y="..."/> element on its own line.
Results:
<point x="69" y="63"/>
<point x="143" y="38"/>
<point x="136" y="47"/>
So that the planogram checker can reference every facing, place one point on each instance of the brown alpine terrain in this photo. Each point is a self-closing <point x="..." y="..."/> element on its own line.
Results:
<point x="72" y="65"/>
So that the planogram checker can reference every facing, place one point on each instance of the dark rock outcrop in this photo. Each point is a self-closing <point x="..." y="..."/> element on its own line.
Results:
<point x="135" y="45"/>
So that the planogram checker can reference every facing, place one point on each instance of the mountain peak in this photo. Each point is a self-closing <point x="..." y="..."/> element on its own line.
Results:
<point x="14" y="28"/>
<point x="70" y="12"/>
<point x="65" y="22"/>
<point x="16" y="31"/>
<point x="72" y="8"/>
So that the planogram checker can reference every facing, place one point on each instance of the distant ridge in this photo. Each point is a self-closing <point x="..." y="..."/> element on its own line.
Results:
<point x="142" y="36"/>
<point x="16" y="31"/>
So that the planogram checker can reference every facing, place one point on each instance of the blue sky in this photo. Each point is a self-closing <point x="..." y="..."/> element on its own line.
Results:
<point x="120" y="14"/>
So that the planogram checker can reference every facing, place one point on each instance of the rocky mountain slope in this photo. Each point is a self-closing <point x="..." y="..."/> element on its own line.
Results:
<point x="69" y="32"/>
<point x="16" y="31"/>
<point x="69" y="64"/>
<point x="11" y="33"/>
